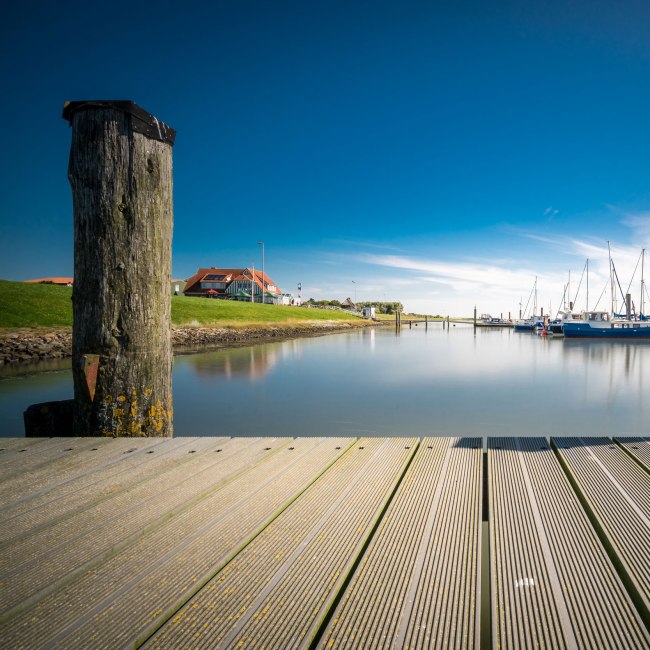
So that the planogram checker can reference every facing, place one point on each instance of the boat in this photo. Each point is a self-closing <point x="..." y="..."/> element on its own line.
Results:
<point x="488" y="321"/>
<point x="556" y="326"/>
<point x="533" y="322"/>
<point x="632" y="324"/>
<point x="600" y="324"/>
<point x="529" y="325"/>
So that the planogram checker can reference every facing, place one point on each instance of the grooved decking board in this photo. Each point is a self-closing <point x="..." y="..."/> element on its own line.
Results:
<point x="282" y="543"/>
<point x="639" y="448"/>
<point x="275" y="593"/>
<point x="417" y="584"/>
<point x="617" y="492"/>
<point x="57" y="459"/>
<point x="66" y="502"/>
<point x="37" y="470"/>
<point x="117" y="596"/>
<point x="37" y="558"/>
<point x="525" y="610"/>
<point x="553" y="584"/>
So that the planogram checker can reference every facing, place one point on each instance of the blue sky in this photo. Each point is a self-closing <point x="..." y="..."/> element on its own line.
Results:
<point x="438" y="153"/>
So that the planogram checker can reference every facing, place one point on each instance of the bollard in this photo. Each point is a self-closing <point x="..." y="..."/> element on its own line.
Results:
<point x="120" y="172"/>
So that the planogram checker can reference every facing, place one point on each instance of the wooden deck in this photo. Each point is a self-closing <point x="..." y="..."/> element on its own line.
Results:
<point x="324" y="543"/>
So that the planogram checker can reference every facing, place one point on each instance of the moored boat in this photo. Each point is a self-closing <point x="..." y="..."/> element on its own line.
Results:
<point x="556" y="326"/>
<point x="528" y="325"/>
<point x="599" y="324"/>
<point x="488" y="321"/>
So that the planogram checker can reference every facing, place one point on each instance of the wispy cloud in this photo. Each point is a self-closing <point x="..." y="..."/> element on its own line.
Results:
<point x="474" y="276"/>
<point x="433" y="283"/>
<point x="363" y="244"/>
<point x="639" y="224"/>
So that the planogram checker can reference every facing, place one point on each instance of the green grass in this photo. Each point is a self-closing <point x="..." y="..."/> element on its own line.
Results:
<point x="230" y="313"/>
<point x="34" y="305"/>
<point x="44" y="305"/>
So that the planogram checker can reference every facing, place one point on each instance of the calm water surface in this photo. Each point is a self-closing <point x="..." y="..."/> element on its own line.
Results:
<point x="377" y="382"/>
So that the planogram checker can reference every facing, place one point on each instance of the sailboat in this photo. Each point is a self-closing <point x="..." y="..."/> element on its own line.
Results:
<point x="531" y="323"/>
<point x="556" y="326"/>
<point x="600" y="324"/>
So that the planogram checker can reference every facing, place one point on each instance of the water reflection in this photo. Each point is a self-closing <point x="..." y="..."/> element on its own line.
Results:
<point x="381" y="382"/>
<point x="252" y="363"/>
<point x="627" y="355"/>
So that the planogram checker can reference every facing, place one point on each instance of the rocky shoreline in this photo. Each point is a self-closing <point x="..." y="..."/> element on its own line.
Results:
<point x="26" y="345"/>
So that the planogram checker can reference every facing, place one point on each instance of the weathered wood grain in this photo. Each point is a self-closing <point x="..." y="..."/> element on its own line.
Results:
<point x="122" y="199"/>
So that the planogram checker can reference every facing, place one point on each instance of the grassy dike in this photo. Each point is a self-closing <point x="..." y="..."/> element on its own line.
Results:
<point x="36" y="322"/>
<point x="42" y="305"/>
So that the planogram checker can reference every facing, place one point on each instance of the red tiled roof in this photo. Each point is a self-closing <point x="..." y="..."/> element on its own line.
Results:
<point x="51" y="280"/>
<point x="193" y="284"/>
<point x="201" y="273"/>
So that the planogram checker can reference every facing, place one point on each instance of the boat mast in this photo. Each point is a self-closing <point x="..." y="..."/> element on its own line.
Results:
<point x="611" y="278"/>
<point x="587" y="309"/>
<point x="642" y="282"/>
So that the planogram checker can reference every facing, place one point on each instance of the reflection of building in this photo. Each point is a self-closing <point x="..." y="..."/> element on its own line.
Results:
<point x="232" y="283"/>
<point x="253" y="362"/>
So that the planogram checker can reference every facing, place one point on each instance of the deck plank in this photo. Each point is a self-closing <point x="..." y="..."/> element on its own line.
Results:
<point x="566" y="575"/>
<point x="118" y="597"/>
<point x="287" y="543"/>
<point x="639" y="448"/>
<point x="276" y="592"/>
<point x="616" y="491"/>
<point x="417" y="584"/>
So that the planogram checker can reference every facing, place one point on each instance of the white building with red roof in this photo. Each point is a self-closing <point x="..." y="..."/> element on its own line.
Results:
<point x="236" y="284"/>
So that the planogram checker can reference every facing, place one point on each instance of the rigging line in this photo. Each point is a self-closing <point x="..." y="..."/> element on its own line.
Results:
<point x="530" y="295"/>
<point x="601" y="295"/>
<point x="561" y="301"/>
<point x="618" y="282"/>
<point x="580" y="283"/>
<point x="633" y="274"/>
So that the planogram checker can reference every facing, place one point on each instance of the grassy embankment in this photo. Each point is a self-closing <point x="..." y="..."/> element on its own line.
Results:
<point x="48" y="306"/>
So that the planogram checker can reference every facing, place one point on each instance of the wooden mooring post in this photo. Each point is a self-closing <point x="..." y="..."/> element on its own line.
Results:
<point x="120" y="172"/>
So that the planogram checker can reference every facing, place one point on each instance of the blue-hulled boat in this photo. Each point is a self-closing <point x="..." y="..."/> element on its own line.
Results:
<point x="599" y="324"/>
<point x="529" y="325"/>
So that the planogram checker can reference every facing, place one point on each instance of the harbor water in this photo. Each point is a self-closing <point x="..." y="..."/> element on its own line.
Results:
<point x="419" y="381"/>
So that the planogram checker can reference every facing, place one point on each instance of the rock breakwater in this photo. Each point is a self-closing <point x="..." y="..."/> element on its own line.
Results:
<point x="27" y="345"/>
<point x="23" y="346"/>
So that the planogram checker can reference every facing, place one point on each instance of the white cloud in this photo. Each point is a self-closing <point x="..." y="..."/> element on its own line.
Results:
<point x="496" y="284"/>
<point x="639" y="224"/>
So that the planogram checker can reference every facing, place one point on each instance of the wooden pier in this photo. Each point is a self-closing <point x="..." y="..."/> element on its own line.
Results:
<point x="324" y="543"/>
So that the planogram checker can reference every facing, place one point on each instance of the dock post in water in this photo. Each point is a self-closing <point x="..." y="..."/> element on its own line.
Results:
<point x="474" y="317"/>
<point x="120" y="172"/>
